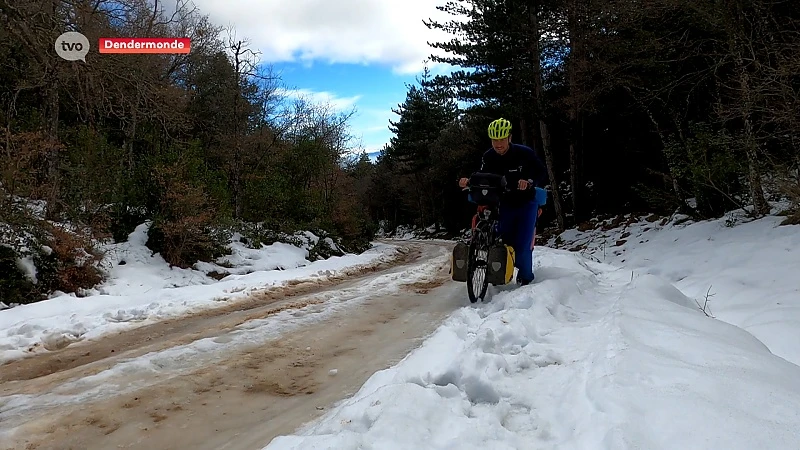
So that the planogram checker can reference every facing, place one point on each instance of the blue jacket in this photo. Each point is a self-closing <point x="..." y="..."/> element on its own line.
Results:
<point x="518" y="163"/>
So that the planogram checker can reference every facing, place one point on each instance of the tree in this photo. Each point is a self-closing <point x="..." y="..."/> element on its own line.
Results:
<point x="427" y="110"/>
<point x="501" y="41"/>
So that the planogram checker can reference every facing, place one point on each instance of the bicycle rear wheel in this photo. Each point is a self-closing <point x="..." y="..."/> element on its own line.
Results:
<point x="477" y="283"/>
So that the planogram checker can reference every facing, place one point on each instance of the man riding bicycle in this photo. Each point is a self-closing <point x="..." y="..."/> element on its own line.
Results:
<point x="518" y="208"/>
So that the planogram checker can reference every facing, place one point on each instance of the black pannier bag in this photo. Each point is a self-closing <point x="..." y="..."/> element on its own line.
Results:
<point x="458" y="263"/>
<point x="485" y="189"/>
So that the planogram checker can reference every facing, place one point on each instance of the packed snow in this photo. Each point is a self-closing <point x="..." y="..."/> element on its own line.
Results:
<point x="143" y="288"/>
<point x="604" y="355"/>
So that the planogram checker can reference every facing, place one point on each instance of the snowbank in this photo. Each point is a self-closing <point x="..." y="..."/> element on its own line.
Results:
<point x="748" y="270"/>
<point x="143" y="288"/>
<point x="589" y="357"/>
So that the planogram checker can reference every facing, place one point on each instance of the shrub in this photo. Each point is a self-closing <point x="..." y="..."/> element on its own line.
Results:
<point x="64" y="259"/>
<point x="16" y="286"/>
<point x="190" y="224"/>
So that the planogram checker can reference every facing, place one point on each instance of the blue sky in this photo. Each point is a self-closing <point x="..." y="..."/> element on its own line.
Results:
<point x="373" y="89"/>
<point x="346" y="52"/>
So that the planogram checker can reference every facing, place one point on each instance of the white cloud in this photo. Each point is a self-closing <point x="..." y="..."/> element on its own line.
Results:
<point x="320" y="97"/>
<point x="342" y="31"/>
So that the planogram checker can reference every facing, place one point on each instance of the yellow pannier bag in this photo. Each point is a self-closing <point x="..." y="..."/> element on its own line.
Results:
<point x="501" y="265"/>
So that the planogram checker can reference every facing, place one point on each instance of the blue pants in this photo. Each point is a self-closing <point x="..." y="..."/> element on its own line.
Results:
<point x="517" y="226"/>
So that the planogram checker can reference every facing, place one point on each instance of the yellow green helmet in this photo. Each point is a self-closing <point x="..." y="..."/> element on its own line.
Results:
<point x="500" y="129"/>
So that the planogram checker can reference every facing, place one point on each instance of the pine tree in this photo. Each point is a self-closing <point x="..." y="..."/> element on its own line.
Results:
<point x="501" y="48"/>
<point x="428" y="108"/>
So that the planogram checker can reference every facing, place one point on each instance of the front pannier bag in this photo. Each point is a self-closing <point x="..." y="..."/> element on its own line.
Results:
<point x="501" y="265"/>
<point x="458" y="262"/>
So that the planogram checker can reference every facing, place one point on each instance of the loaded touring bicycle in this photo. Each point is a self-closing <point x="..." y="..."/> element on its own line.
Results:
<point x="485" y="258"/>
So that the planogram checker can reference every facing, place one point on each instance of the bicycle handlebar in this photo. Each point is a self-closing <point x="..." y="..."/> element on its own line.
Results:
<point x="506" y="189"/>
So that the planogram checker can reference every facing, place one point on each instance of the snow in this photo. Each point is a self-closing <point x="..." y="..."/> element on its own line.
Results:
<point x="130" y="374"/>
<point x="609" y="349"/>
<point x="404" y="233"/>
<point x="603" y="355"/>
<point x="28" y="268"/>
<point x="145" y="289"/>
<point x="408" y="233"/>
<point x="748" y="269"/>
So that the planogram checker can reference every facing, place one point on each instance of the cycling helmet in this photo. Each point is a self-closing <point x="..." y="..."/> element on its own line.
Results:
<point x="500" y="129"/>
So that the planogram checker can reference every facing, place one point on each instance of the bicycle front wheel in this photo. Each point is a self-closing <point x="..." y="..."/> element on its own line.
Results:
<point x="477" y="283"/>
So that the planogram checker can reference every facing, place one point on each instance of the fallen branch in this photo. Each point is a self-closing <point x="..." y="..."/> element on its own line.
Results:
<point x="704" y="307"/>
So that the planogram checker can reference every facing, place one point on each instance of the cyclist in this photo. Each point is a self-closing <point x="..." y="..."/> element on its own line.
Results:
<point x="518" y="208"/>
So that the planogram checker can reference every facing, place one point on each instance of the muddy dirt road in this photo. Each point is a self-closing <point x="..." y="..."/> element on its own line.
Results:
<point x="234" y="377"/>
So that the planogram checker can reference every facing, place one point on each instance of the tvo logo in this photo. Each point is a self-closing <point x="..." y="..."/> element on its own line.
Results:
<point x="72" y="46"/>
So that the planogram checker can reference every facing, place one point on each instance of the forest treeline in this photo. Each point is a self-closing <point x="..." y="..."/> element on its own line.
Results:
<point x="656" y="105"/>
